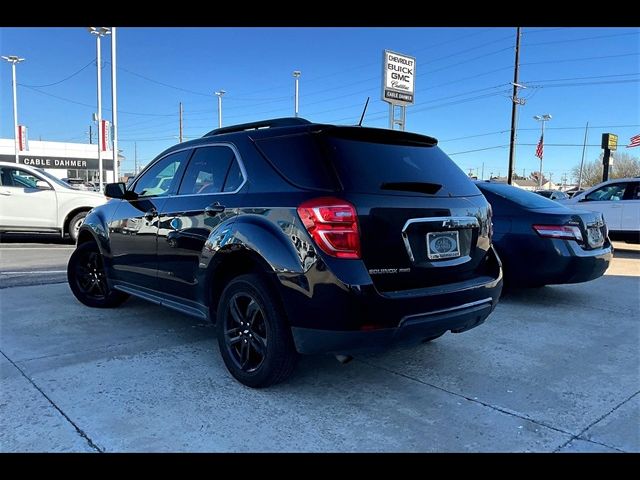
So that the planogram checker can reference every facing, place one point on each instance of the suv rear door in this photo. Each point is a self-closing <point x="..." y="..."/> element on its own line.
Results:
<point x="207" y="197"/>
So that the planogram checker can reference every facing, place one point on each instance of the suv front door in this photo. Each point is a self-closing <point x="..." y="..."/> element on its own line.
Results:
<point x="134" y="225"/>
<point x="206" y="199"/>
<point x="24" y="205"/>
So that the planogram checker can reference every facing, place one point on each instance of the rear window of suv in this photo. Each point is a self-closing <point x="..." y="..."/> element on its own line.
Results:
<point x="313" y="160"/>
<point x="368" y="167"/>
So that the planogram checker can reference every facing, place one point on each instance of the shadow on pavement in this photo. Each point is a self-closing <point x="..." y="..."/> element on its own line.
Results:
<point x="52" y="239"/>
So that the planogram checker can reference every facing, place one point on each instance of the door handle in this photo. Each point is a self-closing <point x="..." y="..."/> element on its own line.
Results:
<point x="151" y="214"/>
<point x="214" y="209"/>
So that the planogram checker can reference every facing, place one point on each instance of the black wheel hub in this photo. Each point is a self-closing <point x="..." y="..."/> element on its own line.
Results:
<point x="90" y="276"/>
<point x="245" y="334"/>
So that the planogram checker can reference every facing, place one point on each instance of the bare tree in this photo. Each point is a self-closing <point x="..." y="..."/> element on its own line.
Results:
<point x="624" y="165"/>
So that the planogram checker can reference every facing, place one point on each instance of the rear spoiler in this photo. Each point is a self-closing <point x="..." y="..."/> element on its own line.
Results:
<point x="376" y="135"/>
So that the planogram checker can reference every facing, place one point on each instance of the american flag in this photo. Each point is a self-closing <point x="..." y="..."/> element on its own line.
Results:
<point x="635" y="141"/>
<point x="540" y="148"/>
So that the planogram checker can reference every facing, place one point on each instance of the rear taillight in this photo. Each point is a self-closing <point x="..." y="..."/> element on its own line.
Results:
<point x="333" y="224"/>
<point x="565" y="232"/>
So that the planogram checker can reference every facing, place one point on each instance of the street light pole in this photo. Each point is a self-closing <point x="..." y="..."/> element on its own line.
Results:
<point x="13" y="60"/>
<point x="99" y="32"/>
<point x="114" y="105"/>
<point x="296" y="75"/>
<point x="543" y="119"/>
<point x="220" y="93"/>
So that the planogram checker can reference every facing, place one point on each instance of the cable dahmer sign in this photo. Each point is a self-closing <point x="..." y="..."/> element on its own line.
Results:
<point x="399" y="72"/>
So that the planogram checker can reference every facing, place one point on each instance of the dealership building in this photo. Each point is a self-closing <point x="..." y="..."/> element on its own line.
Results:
<point x="62" y="159"/>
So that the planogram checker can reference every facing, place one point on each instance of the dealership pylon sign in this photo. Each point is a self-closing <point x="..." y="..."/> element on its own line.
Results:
<point x="23" y="140"/>
<point x="105" y="136"/>
<point x="398" y="84"/>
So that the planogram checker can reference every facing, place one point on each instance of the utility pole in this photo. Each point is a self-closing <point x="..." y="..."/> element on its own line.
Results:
<point x="90" y="135"/>
<point x="14" y="60"/>
<point x="515" y="101"/>
<point x="584" y="148"/>
<point x="180" y="122"/>
<point x="482" y="171"/>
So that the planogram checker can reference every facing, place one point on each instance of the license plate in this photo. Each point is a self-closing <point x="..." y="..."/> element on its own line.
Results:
<point x="594" y="237"/>
<point x="443" y="245"/>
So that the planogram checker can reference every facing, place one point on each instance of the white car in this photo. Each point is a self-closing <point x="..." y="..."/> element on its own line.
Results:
<point x="32" y="200"/>
<point x="618" y="200"/>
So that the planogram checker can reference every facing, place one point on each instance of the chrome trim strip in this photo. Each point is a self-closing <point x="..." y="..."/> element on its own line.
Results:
<point x="444" y="310"/>
<point x="447" y="222"/>
<point x="193" y="147"/>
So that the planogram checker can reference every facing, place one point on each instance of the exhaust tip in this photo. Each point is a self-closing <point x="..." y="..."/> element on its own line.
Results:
<point x="344" y="359"/>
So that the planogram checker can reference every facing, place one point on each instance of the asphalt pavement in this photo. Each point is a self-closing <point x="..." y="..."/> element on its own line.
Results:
<point x="553" y="369"/>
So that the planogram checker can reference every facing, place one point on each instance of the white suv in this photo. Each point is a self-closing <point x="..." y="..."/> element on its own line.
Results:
<point x="32" y="200"/>
<point x="618" y="200"/>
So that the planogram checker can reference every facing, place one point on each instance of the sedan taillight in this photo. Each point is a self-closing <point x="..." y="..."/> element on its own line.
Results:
<point x="565" y="232"/>
<point x="333" y="224"/>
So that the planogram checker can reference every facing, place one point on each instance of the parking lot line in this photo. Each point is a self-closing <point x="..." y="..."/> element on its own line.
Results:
<point x="34" y="272"/>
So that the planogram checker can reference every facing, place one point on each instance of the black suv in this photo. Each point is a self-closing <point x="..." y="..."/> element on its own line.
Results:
<point x="297" y="237"/>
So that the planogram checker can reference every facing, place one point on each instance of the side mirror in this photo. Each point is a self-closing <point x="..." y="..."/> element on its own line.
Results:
<point x="118" y="190"/>
<point x="42" y="185"/>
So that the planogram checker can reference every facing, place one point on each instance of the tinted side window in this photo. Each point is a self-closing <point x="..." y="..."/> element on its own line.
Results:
<point x="162" y="178"/>
<point x="207" y="170"/>
<point x="612" y="192"/>
<point x="234" y="177"/>
<point x="633" y="191"/>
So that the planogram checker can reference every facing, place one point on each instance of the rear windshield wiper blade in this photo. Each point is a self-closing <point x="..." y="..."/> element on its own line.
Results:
<point x="420" y="187"/>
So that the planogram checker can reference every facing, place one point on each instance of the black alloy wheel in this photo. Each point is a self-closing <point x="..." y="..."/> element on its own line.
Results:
<point x="87" y="278"/>
<point x="254" y="338"/>
<point x="245" y="332"/>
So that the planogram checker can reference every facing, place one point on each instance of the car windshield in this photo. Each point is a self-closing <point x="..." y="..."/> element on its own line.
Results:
<point x="55" y="180"/>
<point x="517" y="195"/>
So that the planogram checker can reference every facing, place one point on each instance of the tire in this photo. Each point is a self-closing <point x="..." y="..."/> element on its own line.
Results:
<point x="254" y="338"/>
<point x="74" y="226"/>
<point x="87" y="278"/>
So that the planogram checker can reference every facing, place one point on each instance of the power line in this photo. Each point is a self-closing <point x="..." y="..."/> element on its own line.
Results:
<point x="60" y="81"/>
<point x="584" y="78"/>
<point x="582" y="58"/>
<point x="93" y="106"/>
<point x="479" y="150"/>
<point x="580" y="39"/>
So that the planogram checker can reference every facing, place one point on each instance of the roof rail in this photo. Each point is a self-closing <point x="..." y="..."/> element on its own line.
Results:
<point x="274" y="122"/>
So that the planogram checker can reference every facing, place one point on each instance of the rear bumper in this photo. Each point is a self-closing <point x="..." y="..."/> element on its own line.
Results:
<point x="338" y="318"/>
<point x="411" y="330"/>
<point x="552" y="261"/>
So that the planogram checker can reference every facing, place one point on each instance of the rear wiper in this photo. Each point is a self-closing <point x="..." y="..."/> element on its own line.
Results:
<point x="420" y="187"/>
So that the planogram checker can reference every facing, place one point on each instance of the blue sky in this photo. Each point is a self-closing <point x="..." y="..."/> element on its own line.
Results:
<point x="578" y="75"/>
